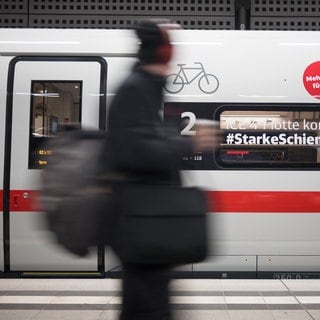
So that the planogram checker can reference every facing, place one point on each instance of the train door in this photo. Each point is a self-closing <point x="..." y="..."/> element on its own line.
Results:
<point x="44" y="92"/>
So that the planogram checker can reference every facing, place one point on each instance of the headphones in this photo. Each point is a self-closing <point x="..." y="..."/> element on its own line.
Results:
<point x="165" y="50"/>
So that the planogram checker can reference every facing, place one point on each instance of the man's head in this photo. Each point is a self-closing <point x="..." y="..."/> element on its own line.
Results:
<point x="155" y="46"/>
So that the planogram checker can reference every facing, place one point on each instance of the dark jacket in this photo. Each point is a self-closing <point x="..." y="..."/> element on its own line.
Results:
<point x="141" y="146"/>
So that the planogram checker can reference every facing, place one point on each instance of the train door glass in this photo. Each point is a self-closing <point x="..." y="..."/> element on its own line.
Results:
<point x="46" y="92"/>
<point x="53" y="104"/>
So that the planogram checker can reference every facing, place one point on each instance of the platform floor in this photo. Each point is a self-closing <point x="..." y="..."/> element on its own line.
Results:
<point x="191" y="299"/>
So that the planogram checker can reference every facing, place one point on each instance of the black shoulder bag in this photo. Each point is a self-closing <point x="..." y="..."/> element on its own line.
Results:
<point x="160" y="224"/>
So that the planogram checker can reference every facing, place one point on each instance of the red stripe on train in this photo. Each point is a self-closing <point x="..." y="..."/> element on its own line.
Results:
<point x="24" y="200"/>
<point x="219" y="201"/>
<point x="264" y="201"/>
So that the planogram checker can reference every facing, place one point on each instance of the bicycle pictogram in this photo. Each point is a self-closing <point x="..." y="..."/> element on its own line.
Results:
<point x="175" y="82"/>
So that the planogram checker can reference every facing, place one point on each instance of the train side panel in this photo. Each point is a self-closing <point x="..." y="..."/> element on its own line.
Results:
<point x="264" y="198"/>
<point x="257" y="224"/>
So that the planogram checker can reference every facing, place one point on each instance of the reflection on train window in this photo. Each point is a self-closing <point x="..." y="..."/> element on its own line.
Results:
<point x="272" y="138"/>
<point x="53" y="103"/>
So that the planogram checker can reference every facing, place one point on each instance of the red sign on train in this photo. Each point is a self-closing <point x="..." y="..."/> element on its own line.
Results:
<point x="311" y="79"/>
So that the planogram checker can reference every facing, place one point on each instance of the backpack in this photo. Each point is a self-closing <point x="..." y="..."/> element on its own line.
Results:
<point x="77" y="194"/>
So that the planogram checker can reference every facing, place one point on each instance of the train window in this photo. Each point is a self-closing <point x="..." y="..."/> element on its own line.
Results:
<point x="276" y="138"/>
<point x="52" y="103"/>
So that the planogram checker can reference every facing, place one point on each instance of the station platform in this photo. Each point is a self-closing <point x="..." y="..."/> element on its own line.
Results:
<point x="191" y="299"/>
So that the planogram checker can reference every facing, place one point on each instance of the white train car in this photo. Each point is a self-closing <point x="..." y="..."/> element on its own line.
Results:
<point x="262" y="184"/>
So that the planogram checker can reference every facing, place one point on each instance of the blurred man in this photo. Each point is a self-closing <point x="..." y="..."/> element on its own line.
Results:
<point x="145" y="153"/>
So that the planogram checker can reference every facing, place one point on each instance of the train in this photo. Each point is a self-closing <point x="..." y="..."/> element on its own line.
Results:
<point x="262" y="183"/>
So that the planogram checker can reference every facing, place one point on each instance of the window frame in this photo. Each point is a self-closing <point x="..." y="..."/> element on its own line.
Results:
<point x="273" y="107"/>
<point x="34" y="156"/>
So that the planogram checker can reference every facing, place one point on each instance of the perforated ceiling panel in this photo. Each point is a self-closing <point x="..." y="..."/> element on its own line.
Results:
<point x="285" y="8"/>
<point x="123" y="22"/>
<point x="134" y="7"/>
<point x="303" y="23"/>
<point x="14" y="6"/>
<point x="191" y="14"/>
<point x="13" y="20"/>
<point x="13" y="13"/>
<point x="285" y="15"/>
